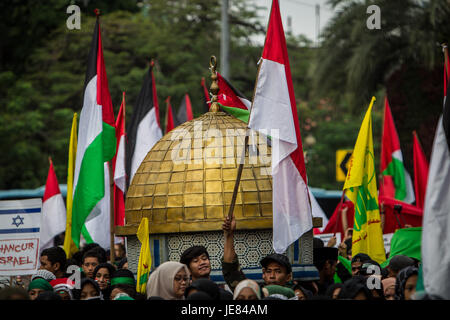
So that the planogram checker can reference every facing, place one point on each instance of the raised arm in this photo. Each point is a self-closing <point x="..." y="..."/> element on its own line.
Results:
<point x="228" y="227"/>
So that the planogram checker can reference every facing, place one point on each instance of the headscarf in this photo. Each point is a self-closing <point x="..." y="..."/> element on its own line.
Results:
<point x="199" y="295"/>
<point x="44" y="274"/>
<point x="123" y="276"/>
<point x="205" y="285"/>
<point x="279" y="292"/>
<point x="330" y="290"/>
<point x="122" y="296"/>
<point x="62" y="284"/>
<point x="160" y="282"/>
<point x="40" y="283"/>
<point x="308" y="293"/>
<point x="388" y="283"/>
<point x="353" y="286"/>
<point x="48" y="295"/>
<point x="85" y="281"/>
<point x="253" y="285"/>
<point x="401" y="279"/>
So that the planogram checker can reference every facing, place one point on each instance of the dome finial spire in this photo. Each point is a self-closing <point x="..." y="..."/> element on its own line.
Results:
<point x="214" y="85"/>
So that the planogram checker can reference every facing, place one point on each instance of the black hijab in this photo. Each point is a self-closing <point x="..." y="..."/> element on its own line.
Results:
<point x="400" y="282"/>
<point x="205" y="285"/>
<point x="354" y="286"/>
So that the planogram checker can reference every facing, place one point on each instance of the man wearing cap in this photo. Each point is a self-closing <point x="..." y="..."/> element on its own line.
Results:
<point x="276" y="268"/>
<point x="398" y="263"/>
<point x="325" y="260"/>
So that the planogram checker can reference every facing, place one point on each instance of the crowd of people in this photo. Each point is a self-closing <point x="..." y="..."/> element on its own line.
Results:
<point x="339" y="276"/>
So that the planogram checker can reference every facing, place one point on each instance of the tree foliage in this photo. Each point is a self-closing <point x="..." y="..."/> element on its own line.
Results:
<point x="403" y="59"/>
<point x="43" y="65"/>
<point x="41" y="94"/>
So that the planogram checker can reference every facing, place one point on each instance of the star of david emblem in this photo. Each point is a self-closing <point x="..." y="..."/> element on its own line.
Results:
<point x="17" y="221"/>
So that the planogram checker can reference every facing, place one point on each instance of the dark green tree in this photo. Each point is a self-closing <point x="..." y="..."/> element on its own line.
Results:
<point x="39" y="100"/>
<point x="403" y="59"/>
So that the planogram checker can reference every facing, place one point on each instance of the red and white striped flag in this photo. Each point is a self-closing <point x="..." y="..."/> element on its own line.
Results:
<point x="119" y="168"/>
<point x="274" y="108"/>
<point x="53" y="220"/>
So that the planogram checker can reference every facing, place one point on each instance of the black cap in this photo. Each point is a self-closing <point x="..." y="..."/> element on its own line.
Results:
<point x="324" y="254"/>
<point x="399" y="262"/>
<point x="365" y="266"/>
<point x="361" y="257"/>
<point x="278" y="258"/>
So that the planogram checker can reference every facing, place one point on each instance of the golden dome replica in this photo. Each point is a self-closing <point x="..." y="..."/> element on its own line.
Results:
<point x="184" y="187"/>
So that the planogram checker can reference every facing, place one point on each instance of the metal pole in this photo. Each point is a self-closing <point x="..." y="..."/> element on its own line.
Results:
<point x="225" y="42"/>
<point x="111" y="213"/>
<point x="317" y="24"/>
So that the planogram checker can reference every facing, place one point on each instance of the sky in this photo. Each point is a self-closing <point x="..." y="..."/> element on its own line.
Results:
<point x="302" y="14"/>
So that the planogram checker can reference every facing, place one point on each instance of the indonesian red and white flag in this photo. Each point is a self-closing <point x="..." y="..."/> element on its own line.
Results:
<point x="274" y="112"/>
<point x="53" y="220"/>
<point x="119" y="168"/>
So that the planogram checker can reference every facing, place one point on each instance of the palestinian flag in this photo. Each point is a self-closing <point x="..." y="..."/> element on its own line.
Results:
<point x="144" y="129"/>
<point x="96" y="139"/>
<point x="396" y="181"/>
<point x="232" y="101"/>
<point x="207" y="102"/>
<point x="170" y="123"/>
<point x="185" y="111"/>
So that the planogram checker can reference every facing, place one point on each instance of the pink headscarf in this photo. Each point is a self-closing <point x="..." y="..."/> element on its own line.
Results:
<point x="387" y="283"/>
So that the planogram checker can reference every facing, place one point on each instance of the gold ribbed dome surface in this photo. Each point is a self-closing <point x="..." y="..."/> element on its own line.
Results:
<point x="178" y="196"/>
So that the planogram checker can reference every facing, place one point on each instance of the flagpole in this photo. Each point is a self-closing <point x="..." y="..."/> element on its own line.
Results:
<point x="111" y="212"/>
<point x="339" y="214"/>
<point x="215" y="90"/>
<point x="446" y="62"/>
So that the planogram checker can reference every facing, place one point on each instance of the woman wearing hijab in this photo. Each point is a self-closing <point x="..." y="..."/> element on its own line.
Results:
<point x="247" y="290"/>
<point x="334" y="290"/>
<point x="122" y="281"/>
<point x="203" y="285"/>
<point x="38" y="286"/>
<point x="103" y="274"/>
<point x="168" y="281"/>
<point x="405" y="283"/>
<point x="389" y="288"/>
<point x="355" y="289"/>
<point x="90" y="290"/>
<point x="63" y="287"/>
<point x="278" y="292"/>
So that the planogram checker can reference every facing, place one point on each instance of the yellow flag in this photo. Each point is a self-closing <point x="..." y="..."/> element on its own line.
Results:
<point x="69" y="246"/>
<point x="145" y="258"/>
<point x="361" y="189"/>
